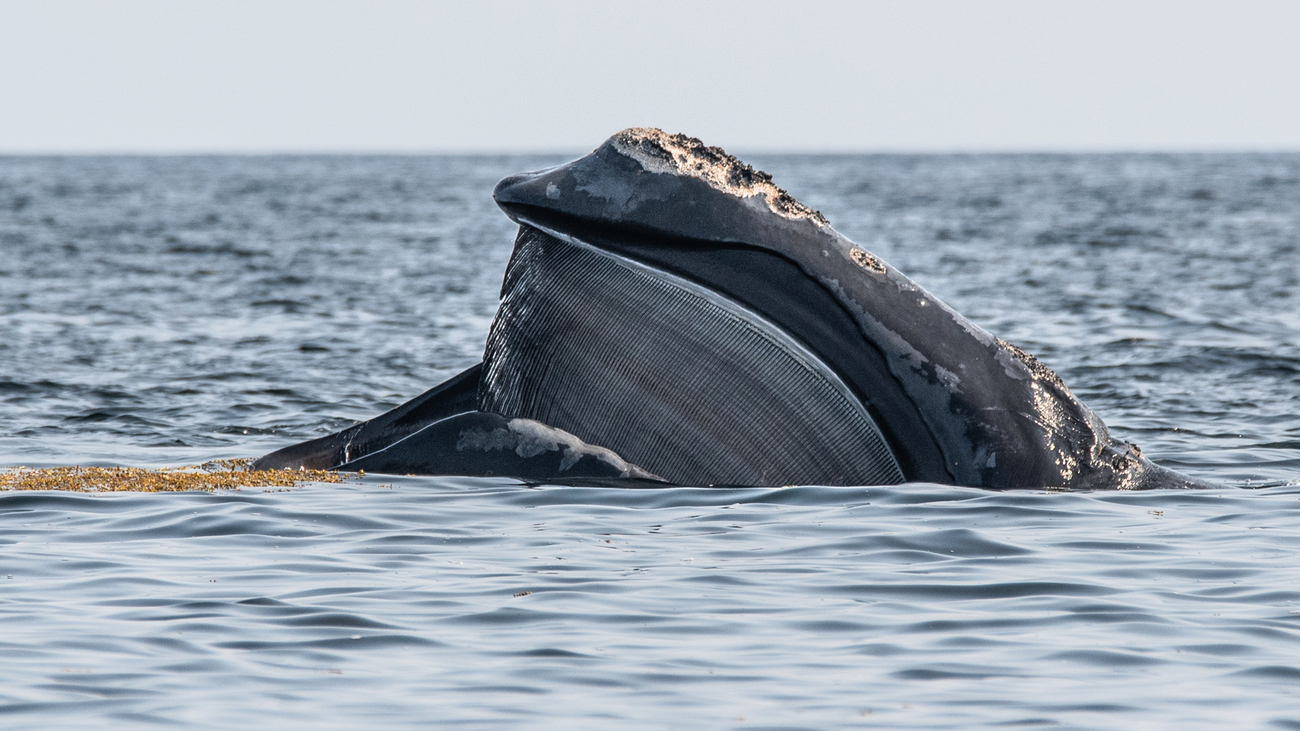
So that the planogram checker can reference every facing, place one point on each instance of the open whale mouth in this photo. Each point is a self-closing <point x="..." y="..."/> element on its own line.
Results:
<point x="675" y="377"/>
<point x="670" y="312"/>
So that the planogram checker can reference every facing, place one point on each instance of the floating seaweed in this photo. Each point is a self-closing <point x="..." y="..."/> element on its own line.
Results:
<point x="222" y="474"/>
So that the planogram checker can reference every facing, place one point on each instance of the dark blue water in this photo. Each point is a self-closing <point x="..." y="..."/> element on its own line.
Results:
<point x="164" y="311"/>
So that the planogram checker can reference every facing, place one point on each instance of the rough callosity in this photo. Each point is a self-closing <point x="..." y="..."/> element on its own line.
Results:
<point x="677" y="154"/>
<point x="867" y="261"/>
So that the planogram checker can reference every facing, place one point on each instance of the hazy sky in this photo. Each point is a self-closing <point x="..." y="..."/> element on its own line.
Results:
<point x="394" y="75"/>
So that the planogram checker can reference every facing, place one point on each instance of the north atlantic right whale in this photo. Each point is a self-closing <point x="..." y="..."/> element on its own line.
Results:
<point x="670" y="314"/>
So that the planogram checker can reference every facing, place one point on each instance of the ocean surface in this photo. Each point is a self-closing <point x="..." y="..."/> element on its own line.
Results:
<point x="163" y="311"/>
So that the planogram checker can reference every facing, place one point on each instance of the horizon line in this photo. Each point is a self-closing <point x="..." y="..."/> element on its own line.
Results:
<point x="557" y="151"/>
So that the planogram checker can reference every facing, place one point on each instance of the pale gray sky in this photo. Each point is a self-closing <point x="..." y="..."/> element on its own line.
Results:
<point x="404" y="75"/>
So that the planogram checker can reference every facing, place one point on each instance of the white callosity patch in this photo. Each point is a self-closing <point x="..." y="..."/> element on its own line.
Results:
<point x="950" y="380"/>
<point x="534" y="438"/>
<point x="1012" y="366"/>
<point x="528" y="438"/>
<point x="677" y="154"/>
<point x="481" y="440"/>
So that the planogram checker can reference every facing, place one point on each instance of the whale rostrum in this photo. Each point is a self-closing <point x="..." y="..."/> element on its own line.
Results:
<point x="670" y="314"/>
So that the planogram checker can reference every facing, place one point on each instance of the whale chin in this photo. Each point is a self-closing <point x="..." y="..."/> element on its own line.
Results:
<point x="677" y="378"/>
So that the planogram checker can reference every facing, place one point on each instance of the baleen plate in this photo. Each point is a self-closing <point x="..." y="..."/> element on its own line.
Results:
<point x="673" y="377"/>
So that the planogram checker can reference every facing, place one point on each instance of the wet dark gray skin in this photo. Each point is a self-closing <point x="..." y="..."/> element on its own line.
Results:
<point x="671" y="314"/>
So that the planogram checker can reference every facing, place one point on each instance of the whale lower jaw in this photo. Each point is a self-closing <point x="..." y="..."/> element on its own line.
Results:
<point x="673" y="377"/>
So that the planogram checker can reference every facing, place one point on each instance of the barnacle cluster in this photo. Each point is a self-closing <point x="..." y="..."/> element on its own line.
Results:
<point x="224" y="474"/>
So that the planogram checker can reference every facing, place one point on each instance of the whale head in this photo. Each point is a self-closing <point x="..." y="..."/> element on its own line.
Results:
<point x="671" y="303"/>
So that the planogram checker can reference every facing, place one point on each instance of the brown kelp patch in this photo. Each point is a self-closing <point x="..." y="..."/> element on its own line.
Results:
<point x="222" y="474"/>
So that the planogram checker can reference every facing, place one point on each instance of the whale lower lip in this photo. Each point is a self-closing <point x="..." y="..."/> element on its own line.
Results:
<point x="672" y="376"/>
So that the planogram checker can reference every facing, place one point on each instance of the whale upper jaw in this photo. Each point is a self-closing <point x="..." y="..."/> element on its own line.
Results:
<point x="669" y="185"/>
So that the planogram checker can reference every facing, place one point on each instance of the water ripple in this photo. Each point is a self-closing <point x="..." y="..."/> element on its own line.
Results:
<point x="165" y="311"/>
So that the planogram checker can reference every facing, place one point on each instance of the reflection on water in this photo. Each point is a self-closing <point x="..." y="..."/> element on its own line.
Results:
<point x="167" y="311"/>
